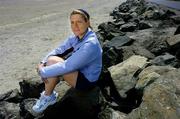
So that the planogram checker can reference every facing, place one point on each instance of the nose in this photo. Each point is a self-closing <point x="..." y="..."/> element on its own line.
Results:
<point x="75" y="24"/>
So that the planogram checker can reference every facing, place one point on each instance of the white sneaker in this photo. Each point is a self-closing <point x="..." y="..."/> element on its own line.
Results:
<point x="44" y="101"/>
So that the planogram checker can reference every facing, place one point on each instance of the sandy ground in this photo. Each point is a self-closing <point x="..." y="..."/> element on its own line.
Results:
<point x="29" y="29"/>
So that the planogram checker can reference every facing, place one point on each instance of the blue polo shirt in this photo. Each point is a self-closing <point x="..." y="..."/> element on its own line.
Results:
<point x="86" y="57"/>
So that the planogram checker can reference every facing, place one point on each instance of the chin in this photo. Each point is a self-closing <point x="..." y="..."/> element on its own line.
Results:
<point x="77" y="34"/>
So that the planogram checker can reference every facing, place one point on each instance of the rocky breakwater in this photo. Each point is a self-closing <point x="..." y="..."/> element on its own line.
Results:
<point x="140" y="77"/>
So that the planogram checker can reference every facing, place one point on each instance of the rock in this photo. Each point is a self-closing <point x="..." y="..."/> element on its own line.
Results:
<point x="11" y="96"/>
<point x="26" y="109"/>
<point x="178" y="54"/>
<point x="161" y="70"/>
<point x="123" y="78"/>
<point x="144" y="25"/>
<point x="159" y="102"/>
<point x="31" y="88"/>
<point x="109" y="113"/>
<point x="118" y="23"/>
<point x="176" y="19"/>
<point x="136" y="49"/>
<point x="75" y="104"/>
<point x="173" y="76"/>
<point x="157" y="13"/>
<point x="138" y="5"/>
<point x="122" y="74"/>
<point x="111" y="56"/>
<point x="174" y="41"/>
<point x="166" y="59"/>
<point x="109" y="30"/>
<point x="61" y="88"/>
<point x="27" y="104"/>
<point x="125" y="16"/>
<point x="153" y="39"/>
<point x="177" y="31"/>
<point x="119" y="41"/>
<point x="146" y="80"/>
<point x="128" y="27"/>
<point x="9" y="110"/>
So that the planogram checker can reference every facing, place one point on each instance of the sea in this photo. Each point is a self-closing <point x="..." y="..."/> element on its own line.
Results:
<point x="169" y="3"/>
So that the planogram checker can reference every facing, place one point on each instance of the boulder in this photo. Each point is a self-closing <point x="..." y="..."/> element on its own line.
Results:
<point x="166" y="59"/>
<point x="119" y="41"/>
<point x="144" y="25"/>
<point x="11" y="96"/>
<point x="109" y="113"/>
<point x="161" y="70"/>
<point x="9" y="110"/>
<point x="153" y="39"/>
<point x="128" y="27"/>
<point x="74" y="104"/>
<point x="135" y="49"/>
<point x="159" y="99"/>
<point x="177" y="31"/>
<point x="174" y="42"/>
<point x="122" y="73"/>
<point x="31" y="88"/>
<point x="176" y="19"/>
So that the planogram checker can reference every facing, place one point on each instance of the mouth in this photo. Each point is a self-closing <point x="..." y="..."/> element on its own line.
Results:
<point x="76" y="30"/>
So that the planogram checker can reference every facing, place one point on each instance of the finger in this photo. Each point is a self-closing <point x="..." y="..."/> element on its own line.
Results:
<point x="44" y="80"/>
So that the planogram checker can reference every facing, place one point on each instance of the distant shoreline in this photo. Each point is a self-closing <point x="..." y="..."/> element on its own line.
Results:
<point x="168" y="3"/>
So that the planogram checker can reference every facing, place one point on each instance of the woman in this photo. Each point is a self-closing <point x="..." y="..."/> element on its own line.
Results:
<point x="78" y="60"/>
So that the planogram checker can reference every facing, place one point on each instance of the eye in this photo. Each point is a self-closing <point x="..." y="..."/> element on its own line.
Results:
<point x="72" y="22"/>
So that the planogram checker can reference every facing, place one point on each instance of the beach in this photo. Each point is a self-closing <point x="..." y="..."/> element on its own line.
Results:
<point x="29" y="29"/>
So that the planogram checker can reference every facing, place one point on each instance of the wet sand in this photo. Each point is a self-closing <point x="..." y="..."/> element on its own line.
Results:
<point x="29" y="29"/>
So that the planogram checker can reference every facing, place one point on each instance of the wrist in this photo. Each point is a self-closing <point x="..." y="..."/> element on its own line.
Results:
<point x="43" y="63"/>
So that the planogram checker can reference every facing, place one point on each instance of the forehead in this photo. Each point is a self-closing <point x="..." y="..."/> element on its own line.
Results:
<point x="76" y="17"/>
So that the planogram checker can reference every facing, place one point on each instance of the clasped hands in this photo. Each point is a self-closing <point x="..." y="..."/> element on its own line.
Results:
<point x="41" y="65"/>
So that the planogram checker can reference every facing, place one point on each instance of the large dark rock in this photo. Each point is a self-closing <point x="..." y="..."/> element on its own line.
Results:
<point x="111" y="56"/>
<point x="136" y="49"/>
<point x="176" y="19"/>
<point x="166" y="59"/>
<point x="119" y="41"/>
<point x="177" y="31"/>
<point x="109" y="30"/>
<point x="153" y="39"/>
<point x="31" y="88"/>
<point x="128" y="27"/>
<point x="75" y="104"/>
<point x="144" y="25"/>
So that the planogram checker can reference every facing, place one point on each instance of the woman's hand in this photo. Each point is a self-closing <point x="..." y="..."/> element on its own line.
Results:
<point x="41" y="65"/>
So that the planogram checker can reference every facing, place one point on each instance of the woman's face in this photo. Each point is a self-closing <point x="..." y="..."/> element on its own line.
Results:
<point x="78" y="25"/>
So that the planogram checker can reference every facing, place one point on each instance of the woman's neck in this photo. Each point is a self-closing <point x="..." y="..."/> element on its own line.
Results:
<point x="81" y="36"/>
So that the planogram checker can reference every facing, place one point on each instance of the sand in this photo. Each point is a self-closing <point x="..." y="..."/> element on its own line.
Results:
<point x="29" y="29"/>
